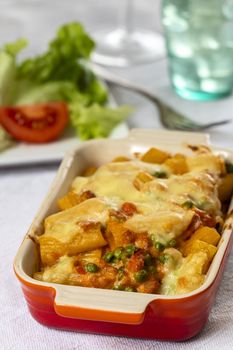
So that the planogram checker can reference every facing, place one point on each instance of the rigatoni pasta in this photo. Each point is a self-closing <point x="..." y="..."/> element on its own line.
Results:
<point x="149" y="224"/>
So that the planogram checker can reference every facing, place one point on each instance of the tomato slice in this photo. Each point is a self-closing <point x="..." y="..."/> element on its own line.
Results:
<point x="35" y="123"/>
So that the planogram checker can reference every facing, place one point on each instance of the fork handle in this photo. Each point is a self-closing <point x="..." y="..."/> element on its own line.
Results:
<point x="112" y="78"/>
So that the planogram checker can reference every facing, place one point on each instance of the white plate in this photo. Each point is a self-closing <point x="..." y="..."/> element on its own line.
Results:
<point x="25" y="154"/>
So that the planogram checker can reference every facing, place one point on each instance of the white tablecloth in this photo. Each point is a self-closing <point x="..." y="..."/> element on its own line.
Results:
<point x="22" y="189"/>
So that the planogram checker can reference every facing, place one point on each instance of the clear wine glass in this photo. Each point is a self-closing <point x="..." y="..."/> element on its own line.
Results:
<point x="127" y="45"/>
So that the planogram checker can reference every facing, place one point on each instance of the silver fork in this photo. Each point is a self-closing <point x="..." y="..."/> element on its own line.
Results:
<point x="169" y="117"/>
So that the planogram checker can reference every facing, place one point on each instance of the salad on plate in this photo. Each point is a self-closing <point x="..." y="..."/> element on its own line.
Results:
<point x="43" y="95"/>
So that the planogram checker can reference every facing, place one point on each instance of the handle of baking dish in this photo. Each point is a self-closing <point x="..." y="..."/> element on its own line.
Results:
<point x="101" y="305"/>
<point x="168" y="137"/>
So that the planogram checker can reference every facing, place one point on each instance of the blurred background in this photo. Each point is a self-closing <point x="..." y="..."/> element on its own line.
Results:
<point x="37" y="20"/>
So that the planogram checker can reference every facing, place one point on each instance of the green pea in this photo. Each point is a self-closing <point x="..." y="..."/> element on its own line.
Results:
<point x="188" y="204"/>
<point x="148" y="260"/>
<point x="159" y="246"/>
<point x="229" y="167"/>
<point x="203" y="205"/>
<point x="118" y="253"/>
<point x="123" y="256"/>
<point x="153" y="239"/>
<point x="130" y="289"/>
<point x="108" y="257"/>
<point x="121" y="273"/>
<point x="172" y="243"/>
<point x="155" y="243"/>
<point x="163" y="258"/>
<point x="141" y="276"/>
<point x="118" y="287"/>
<point x="129" y="250"/>
<point x="160" y="174"/>
<point x="90" y="267"/>
<point x="152" y="270"/>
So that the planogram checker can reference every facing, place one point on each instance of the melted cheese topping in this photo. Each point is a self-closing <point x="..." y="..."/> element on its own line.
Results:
<point x="199" y="187"/>
<point x="114" y="183"/>
<point x="59" y="272"/>
<point x="206" y="161"/>
<point x="187" y="276"/>
<point x="164" y="220"/>
<point x="159" y="212"/>
<point x="64" y="225"/>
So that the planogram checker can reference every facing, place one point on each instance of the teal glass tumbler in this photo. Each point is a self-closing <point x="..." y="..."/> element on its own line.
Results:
<point x="199" y="40"/>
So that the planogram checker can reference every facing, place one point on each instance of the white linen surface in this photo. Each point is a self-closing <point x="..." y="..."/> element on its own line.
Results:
<point x="22" y="190"/>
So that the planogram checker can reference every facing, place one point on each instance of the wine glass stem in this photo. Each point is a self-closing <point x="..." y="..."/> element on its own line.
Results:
<point x="127" y="18"/>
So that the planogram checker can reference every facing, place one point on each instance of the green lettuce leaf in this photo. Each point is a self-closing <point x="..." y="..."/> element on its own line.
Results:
<point x="13" y="49"/>
<point x="7" y="76"/>
<point x="60" y="74"/>
<point x="62" y="59"/>
<point x="96" y="121"/>
<point x="28" y="93"/>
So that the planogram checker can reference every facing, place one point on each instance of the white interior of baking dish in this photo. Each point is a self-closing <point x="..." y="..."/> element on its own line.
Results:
<point x="95" y="153"/>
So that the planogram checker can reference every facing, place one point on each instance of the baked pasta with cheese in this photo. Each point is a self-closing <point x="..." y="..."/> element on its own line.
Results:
<point x="150" y="224"/>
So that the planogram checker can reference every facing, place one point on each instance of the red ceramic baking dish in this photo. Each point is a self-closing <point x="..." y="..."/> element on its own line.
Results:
<point x="116" y="312"/>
